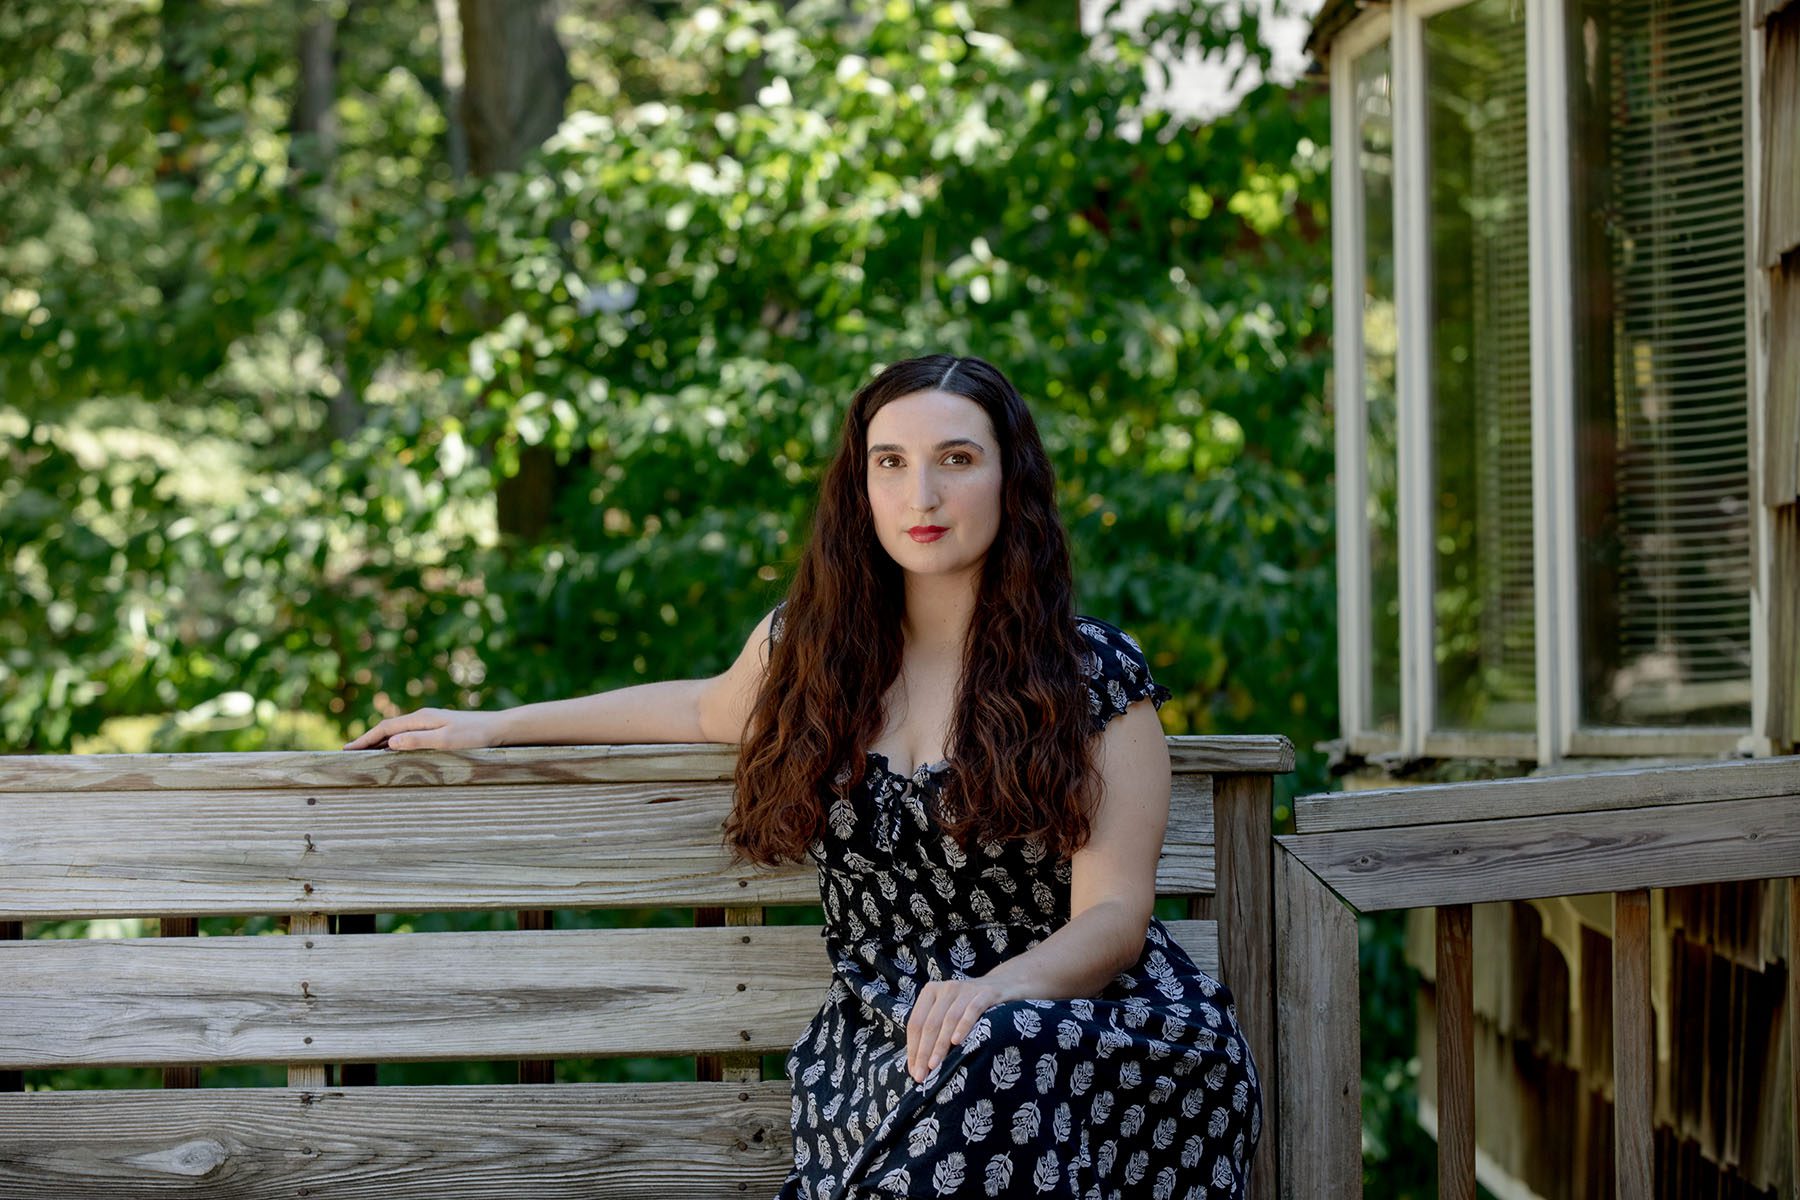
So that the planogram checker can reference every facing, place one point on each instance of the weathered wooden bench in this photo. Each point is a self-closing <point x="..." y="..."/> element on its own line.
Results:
<point x="318" y="835"/>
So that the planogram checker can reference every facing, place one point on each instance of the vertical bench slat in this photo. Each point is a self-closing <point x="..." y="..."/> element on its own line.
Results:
<point x="12" y="931"/>
<point x="1320" y="1049"/>
<point x="308" y="1075"/>
<point x="537" y="1070"/>
<point x="1242" y="816"/>
<point x="1455" y="1052"/>
<point x="1634" y="1065"/>
<point x="728" y="1068"/>
<point x="179" y="1077"/>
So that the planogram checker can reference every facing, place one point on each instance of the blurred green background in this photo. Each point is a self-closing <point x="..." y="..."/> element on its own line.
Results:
<point x="341" y="375"/>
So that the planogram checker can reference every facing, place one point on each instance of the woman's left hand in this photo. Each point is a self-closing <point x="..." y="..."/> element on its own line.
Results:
<point x="943" y="1015"/>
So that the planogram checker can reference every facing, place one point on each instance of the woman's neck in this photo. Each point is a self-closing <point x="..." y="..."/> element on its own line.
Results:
<point x="939" y="609"/>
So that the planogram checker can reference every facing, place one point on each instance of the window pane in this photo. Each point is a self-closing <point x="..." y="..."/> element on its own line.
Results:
<point x="1480" y="387"/>
<point x="1375" y="135"/>
<point x="1656" y="98"/>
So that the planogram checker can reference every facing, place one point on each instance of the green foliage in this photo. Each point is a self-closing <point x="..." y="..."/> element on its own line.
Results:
<point x="745" y="214"/>
<point x="189" y="541"/>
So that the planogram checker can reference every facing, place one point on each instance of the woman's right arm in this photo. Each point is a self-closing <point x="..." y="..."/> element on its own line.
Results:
<point x="671" y="710"/>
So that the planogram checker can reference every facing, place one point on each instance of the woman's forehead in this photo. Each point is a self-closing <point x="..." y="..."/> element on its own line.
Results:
<point x="930" y="417"/>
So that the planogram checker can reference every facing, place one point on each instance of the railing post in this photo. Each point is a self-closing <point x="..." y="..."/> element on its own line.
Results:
<point x="1793" y="1017"/>
<point x="1455" y="1052"/>
<point x="1634" y="1074"/>
<point x="1321" y="1037"/>
<point x="1245" y="910"/>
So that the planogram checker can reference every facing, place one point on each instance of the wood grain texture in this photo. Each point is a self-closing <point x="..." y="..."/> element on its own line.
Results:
<point x="1634" y="1054"/>
<point x="313" y="998"/>
<point x="1320" y="1124"/>
<point x="1780" y="150"/>
<point x="1515" y="859"/>
<point x="1245" y="902"/>
<point x="410" y="848"/>
<point x="728" y="1068"/>
<point x="547" y="1142"/>
<point x="1455" y="1053"/>
<point x="663" y="762"/>
<point x="1499" y="799"/>
<point x="310" y="928"/>
<point x="179" y="1077"/>
<point x="305" y="999"/>
<point x="1793" y="1025"/>
<point x="11" y="1081"/>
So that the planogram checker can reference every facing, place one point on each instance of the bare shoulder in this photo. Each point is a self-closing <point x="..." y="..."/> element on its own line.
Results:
<point x="727" y="698"/>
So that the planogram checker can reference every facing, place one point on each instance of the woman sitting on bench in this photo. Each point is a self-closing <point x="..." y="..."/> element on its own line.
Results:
<point x="966" y="760"/>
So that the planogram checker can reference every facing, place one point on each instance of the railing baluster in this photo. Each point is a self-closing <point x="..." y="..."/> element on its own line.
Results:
<point x="1320" y="1047"/>
<point x="1243" y="812"/>
<point x="1455" y="1053"/>
<point x="1634" y="1074"/>
<point x="1793" y="1014"/>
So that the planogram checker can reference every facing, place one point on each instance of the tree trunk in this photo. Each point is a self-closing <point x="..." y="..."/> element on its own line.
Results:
<point x="515" y="86"/>
<point x="312" y="158"/>
<point x="516" y="80"/>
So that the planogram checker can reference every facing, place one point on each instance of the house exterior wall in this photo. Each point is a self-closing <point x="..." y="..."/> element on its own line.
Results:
<point x="1725" y="1111"/>
<point x="1779" y="261"/>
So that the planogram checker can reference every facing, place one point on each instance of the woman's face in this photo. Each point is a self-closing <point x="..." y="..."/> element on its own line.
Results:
<point x="934" y="461"/>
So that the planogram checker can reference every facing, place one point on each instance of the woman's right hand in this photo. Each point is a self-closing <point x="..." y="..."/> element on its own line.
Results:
<point x="432" y="729"/>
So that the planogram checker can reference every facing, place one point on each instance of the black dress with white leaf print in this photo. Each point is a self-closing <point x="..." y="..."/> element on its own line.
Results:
<point x="1146" y="1090"/>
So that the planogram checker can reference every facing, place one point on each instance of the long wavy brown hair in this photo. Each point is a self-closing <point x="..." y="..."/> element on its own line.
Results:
<point x="1019" y="736"/>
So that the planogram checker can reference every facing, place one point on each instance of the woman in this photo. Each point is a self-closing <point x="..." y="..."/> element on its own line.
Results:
<point x="1006" y="1016"/>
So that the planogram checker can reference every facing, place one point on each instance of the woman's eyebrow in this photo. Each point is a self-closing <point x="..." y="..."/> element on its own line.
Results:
<point x="944" y="445"/>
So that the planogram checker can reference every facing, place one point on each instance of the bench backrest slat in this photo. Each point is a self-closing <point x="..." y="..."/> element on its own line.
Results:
<point x="412" y="848"/>
<point x="560" y="993"/>
<point x="571" y="1141"/>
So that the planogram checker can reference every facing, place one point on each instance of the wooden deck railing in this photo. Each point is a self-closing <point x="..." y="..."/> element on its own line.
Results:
<point x="324" y="836"/>
<point x="1449" y="846"/>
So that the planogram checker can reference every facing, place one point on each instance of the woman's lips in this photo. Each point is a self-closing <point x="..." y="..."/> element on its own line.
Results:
<point x="926" y="533"/>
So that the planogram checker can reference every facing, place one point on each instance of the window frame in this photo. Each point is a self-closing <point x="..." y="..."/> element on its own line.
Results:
<point x="1559" y="733"/>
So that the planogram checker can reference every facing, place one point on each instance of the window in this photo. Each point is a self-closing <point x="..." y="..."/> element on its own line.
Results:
<point x="1480" y="361"/>
<point x="1375" y="138"/>
<point x="1656" y="102"/>
<point x="1543" y="359"/>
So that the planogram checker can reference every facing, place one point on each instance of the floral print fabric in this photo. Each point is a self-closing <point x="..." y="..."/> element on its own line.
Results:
<point x="1146" y="1090"/>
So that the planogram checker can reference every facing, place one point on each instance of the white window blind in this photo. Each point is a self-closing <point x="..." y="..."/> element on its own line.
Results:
<point x="1657" y="156"/>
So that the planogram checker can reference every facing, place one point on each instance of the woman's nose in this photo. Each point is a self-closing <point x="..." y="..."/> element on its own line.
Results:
<point x="925" y="492"/>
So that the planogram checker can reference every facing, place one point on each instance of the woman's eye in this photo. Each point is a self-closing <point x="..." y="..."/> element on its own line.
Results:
<point x="957" y="454"/>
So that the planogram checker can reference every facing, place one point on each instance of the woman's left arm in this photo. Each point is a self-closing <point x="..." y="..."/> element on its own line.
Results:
<point x="1112" y="892"/>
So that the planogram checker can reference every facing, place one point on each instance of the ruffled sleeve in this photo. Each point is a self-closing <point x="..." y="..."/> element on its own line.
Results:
<point x="1116" y="670"/>
<point x="776" y="621"/>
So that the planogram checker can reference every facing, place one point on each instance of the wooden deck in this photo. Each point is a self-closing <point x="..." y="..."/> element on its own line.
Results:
<point x="1450" y="846"/>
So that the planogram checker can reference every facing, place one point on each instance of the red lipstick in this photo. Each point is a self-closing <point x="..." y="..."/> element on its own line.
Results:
<point x="927" y="533"/>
